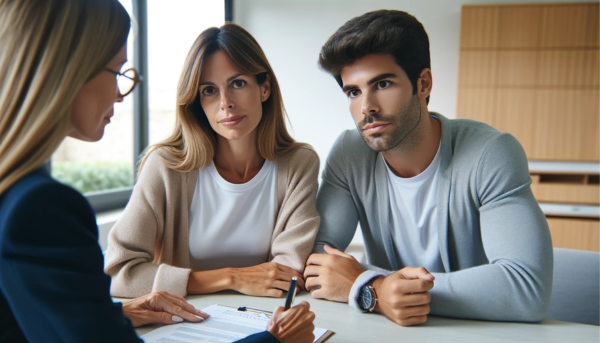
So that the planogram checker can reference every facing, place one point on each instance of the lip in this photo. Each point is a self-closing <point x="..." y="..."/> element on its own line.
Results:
<point x="375" y="127"/>
<point x="231" y="121"/>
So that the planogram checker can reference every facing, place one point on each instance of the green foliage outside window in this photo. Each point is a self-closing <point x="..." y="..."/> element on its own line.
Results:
<point x="93" y="177"/>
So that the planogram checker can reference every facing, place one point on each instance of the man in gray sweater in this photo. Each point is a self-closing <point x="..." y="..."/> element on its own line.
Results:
<point x="448" y="219"/>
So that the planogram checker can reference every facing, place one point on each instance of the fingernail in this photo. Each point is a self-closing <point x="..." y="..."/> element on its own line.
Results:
<point x="204" y="313"/>
<point x="177" y="319"/>
<point x="201" y="319"/>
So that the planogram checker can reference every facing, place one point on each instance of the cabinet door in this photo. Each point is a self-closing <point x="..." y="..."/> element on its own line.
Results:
<point x="580" y="234"/>
<point x="479" y="27"/>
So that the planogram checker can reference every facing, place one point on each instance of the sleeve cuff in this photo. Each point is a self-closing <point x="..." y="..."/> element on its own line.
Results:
<point x="171" y="279"/>
<point x="362" y="280"/>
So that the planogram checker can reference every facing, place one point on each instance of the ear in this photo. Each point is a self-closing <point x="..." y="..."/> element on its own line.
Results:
<point x="424" y="83"/>
<point x="265" y="89"/>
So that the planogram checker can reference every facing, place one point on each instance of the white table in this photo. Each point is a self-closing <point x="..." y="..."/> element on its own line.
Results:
<point x="350" y="325"/>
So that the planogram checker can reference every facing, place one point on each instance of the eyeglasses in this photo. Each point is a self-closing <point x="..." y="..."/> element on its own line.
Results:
<point x="127" y="80"/>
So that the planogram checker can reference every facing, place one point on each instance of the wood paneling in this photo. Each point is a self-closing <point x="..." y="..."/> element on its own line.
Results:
<point x="517" y="68"/>
<point x="564" y="26"/>
<point x="477" y="104"/>
<point x="478" y="69"/>
<point x="515" y="114"/>
<point x="479" y="27"/>
<point x="580" y="234"/>
<point x="568" y="68"/>
<point x="566" y="125"/>
<point x="591" y="30"/>
<point x="519" y="26"/>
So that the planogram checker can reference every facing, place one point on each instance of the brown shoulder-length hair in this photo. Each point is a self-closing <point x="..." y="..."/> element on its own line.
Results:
<point x="192" y="143"/>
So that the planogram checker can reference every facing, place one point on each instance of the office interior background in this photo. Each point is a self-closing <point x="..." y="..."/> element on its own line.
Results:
<point x="525" y="67"/>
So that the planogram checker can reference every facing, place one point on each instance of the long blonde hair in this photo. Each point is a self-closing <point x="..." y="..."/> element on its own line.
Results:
<point x="192" y="143"/>
<point x="48" y="50"/>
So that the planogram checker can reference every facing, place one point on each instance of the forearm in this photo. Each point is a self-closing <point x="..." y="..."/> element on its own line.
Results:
<point x="497" y="292"/>
<point x="211" y="281"/>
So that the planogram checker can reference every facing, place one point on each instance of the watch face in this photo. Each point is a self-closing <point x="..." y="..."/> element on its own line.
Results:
<point x="366" y="298"/>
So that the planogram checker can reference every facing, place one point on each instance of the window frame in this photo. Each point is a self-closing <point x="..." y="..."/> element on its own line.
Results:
<point x="118" y="198"/>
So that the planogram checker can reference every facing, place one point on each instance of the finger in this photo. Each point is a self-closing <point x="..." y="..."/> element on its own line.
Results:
<point x="318" y="293"/>
<point x="415" y="286"/>
<point x="333" y="251"/>
<point x="303" y="305"/>
<point x="274" y="292"/>
<point x="412" y="321"/>
<point x="416" y="299"/>
<point x="167" y="306"/>
<point x="282" y="285"/>
<point x="416" y="273"/>
<point x="288" y="270"/>
<point x="181" y="302"/>
<point x="414" y="311"/>
<point x="316" y="259"/>
<point x="161" y="317"/>
<point x="311" y="271"/>
<point x="312" y="282"/>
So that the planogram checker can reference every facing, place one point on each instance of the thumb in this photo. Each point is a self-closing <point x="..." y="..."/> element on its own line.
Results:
<point x="416" y="273"/>
<point x="333" y="251"/>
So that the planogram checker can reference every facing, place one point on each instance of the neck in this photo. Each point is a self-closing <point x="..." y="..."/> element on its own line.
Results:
<point x="415" y="154"/>
<point x="238" y="161"/>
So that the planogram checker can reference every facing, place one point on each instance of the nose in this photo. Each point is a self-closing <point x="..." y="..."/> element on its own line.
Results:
<point x="226" y="103"/>
<point x="119" y="97"/>
<point x="369" y="104"/>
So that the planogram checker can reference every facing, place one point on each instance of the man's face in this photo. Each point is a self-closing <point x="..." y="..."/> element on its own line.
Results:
<point x="381" y="101"/>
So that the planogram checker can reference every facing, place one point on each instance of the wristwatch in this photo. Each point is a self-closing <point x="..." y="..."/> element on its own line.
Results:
<point x="367" y="298"/>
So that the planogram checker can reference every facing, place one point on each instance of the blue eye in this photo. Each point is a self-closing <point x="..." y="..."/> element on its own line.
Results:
<point x="209" y="91"/>
<point x="383" y="84"/>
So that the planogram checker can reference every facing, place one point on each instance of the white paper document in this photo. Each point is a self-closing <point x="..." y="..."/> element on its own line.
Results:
<point x="226" y="324"/>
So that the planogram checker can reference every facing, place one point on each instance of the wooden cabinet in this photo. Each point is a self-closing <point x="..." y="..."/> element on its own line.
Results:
<point x="533" y="70"/>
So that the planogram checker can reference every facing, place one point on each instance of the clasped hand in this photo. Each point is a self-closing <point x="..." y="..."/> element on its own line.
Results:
<point x="403" y="297"/>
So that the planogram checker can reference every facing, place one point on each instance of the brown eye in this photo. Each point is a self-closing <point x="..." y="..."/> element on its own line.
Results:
<point x="353" y="93"/>
<point x="238" y="83"/>
<point x="383" y="84"/>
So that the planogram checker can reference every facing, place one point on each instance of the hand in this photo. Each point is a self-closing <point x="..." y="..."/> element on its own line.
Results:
<point x="293" y="325"/>
<point x="267" y="279"/>
<point x="161" y="307"/>
<point x="403" y="297"/>
<point x="335" y="273"/>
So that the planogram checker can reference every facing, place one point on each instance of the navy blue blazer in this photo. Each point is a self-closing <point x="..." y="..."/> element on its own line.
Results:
<point x="52" y="284"/>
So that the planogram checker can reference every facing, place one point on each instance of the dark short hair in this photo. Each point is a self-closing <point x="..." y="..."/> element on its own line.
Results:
<point x="379" y="32"/>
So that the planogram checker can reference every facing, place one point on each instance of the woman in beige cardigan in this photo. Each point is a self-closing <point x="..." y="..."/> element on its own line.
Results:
<point x="230" y="127"/>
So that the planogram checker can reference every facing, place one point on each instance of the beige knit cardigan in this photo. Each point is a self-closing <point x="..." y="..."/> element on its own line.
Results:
<point x="148" y="248"/>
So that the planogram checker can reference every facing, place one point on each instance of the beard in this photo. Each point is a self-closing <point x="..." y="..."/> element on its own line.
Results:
<point x="401" y="133"/>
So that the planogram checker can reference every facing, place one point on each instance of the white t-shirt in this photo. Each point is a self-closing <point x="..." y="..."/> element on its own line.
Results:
<point x="413" y="208"/>
<point x="231" y="225"/>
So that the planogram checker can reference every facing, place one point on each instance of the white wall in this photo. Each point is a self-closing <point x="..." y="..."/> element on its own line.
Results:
<point x="292" y="32"/>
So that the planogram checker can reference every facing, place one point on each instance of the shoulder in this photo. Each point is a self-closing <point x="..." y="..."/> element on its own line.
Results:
<point x="473" y="141"/>
<point x="155" y="167"/>
<point x="39" y="206"/>
<point x="301" y="158"/>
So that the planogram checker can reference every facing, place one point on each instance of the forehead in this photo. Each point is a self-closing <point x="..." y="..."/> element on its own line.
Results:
<point x="218" y="66"/>
<point x="370" y="66"/>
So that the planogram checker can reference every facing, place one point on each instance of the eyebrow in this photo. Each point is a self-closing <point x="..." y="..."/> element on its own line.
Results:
<point x="228" y="80"/>
<point x="372" y="81"/>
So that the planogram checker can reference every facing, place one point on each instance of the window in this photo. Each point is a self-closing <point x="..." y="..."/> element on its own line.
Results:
<point x="172" y="29"/>
<point x="162" y="33"/>
<point x="107" y="164"/>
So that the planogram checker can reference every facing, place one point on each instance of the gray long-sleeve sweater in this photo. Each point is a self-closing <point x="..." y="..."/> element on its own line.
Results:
<point x="493" y="237"/>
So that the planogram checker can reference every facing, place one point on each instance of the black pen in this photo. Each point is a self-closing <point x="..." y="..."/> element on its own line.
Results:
<point x="289" y="300"/>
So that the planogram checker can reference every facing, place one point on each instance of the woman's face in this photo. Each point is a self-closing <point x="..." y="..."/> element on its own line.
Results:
<point x="231" y="100"/>
<point x="93" y="106"/>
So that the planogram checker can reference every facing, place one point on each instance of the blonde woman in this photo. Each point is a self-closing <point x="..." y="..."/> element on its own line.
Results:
<point x="59" y="65"/>
<point x="228" y="200"/>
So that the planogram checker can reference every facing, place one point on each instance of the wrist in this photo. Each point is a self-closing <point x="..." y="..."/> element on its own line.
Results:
<point x="377" y="287"/>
